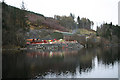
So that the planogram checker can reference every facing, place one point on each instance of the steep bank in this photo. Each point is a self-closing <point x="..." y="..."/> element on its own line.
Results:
<point x="19" y="25"/>
<point x="16" y="23"/>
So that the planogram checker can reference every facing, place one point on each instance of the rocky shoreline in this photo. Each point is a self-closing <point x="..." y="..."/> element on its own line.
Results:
<point x="54" y="46"/>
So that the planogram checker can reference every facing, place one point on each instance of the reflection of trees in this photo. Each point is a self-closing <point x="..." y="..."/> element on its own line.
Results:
<point x="85" y="57"/>
<point x="55" y="63"/>
<point x="20" y="65"/>
<point x="23" y="65"/>
<point x="13" y="65"/>
<point x="108" y="55"/>
<point x="69" y="62"/>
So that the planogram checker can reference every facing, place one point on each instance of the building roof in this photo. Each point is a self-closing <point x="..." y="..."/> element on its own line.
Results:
<point x="67" y="33"/>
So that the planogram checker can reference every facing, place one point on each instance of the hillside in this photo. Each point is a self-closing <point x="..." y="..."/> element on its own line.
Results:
<point x="17" y="23"/>
<point x="86" y="32"/>
<point x="38" y="21"/>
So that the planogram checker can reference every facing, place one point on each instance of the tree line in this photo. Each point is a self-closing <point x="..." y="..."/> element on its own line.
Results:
<point x="14" y="25"/>
<point x="70" y="23"/>
<point x="110" y="32"/>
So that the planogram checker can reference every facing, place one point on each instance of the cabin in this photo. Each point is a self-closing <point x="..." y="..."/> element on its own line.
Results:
<point x="67" y="36"/>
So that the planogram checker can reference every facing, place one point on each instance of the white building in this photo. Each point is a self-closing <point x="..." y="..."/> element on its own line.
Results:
<point x="119" y="13"/>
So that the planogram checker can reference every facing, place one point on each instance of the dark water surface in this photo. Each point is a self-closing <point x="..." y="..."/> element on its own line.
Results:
<point x="83" y="63"/>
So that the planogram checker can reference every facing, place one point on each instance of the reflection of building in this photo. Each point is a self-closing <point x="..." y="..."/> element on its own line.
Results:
<point x="119" y="13"/>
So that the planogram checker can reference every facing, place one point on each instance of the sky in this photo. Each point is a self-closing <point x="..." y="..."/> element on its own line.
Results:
<point x="98" y="11"/>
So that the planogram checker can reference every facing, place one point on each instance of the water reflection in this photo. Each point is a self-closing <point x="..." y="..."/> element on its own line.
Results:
<point x="62" y="63"/>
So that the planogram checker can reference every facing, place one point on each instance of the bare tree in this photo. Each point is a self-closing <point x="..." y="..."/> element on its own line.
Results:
<point x="23" y="6"/>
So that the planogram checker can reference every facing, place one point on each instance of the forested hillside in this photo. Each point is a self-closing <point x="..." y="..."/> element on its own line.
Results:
<point x="110" y="32"/>
<point x="17" y="22"/>
<point x="40" y="22"/>
<point x="13" y="26"/>
<point x="70" y="23"/>
<point x="20" y="24"/>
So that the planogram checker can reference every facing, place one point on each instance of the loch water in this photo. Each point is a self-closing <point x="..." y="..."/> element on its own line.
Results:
<point x="101" y="62"/>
